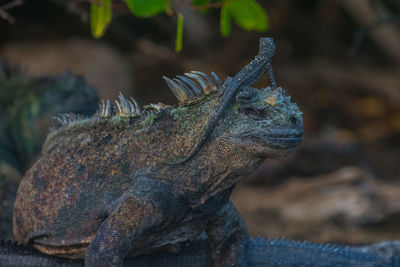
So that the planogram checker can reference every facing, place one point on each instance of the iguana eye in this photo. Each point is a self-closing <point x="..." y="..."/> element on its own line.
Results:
<point x="246" y="94"/>
<point x="255" y="114"/>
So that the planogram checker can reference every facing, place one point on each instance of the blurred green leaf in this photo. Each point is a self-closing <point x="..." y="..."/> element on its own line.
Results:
<point x="100" y="17"/>
<point x="225" y="21"/>
<point x="248" y="14"/>
<point x="147" y="8"/>
<point x="179" y="33"/>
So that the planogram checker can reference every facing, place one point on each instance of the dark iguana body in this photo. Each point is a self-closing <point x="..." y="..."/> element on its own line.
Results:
<point x="260" y="253"/>
<point x="101" y="189"/>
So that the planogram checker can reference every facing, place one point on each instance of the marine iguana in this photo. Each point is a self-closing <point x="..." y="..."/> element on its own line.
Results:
<point x="101" y="189"/>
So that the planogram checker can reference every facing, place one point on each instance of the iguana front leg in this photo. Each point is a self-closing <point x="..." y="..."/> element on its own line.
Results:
<point x="138" y="210"/>
<point x="228" y="236"/>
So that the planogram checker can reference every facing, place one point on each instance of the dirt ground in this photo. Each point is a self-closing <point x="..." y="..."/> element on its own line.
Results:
<point x="341" y="185"/>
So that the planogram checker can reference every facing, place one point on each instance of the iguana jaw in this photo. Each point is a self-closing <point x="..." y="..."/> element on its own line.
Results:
<point x="287" y="140"/>
<point x="274" y="143"/>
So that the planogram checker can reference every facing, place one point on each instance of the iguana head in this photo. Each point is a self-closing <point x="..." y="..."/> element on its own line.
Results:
<point x="278" y="139"/>
<point x="266" y="120"/>
<point x="255" y="124"/>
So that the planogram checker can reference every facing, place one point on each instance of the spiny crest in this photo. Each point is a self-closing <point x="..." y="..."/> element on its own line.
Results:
<point x="65" y="119"/>
<point x="155" y="107"/>
<point x="187" y="88"/>
<point x="127" y="107"/>
<point x="106" y="109"/>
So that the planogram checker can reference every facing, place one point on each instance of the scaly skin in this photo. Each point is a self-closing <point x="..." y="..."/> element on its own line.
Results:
<point x="100" y="189"/>
<point x="259" y="253"/>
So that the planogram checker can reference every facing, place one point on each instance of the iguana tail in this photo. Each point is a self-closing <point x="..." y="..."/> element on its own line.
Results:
<point x="260" y="252"/>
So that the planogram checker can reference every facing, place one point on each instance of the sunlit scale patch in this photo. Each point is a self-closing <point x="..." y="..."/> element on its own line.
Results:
<point x="276" y="98"/>
<point x="271" y="101"/>
<point x="269" y="97"/>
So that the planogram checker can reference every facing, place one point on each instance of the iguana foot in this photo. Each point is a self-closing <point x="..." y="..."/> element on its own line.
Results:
<point x="228" y="235"/>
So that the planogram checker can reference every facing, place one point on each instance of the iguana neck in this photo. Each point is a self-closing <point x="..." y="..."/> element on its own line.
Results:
<point x="247" y="76"/>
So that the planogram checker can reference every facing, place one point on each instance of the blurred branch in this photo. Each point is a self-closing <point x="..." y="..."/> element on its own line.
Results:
<point x="75" y="7"/>
<point x="388" y="37"/>
<point x="360" y="34"/>
<point x="161" y="52"/>
<point x="375" y="80"/>
<point x="349" y="196"/>
<point x="207" y="6"/>
<point x="4" y="15"/>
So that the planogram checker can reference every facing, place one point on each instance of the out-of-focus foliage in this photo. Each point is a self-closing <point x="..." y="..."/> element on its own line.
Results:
<point x="247" y="14"/>
<point x="147" y="8"/>
<point x="179" y="33"/>
<point x="225" y="22"/>
<point x="100" y="17"/>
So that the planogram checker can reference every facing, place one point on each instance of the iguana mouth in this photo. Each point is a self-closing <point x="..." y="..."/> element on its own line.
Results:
<point x="283" y="142"/>
<point x="278" y="138"/>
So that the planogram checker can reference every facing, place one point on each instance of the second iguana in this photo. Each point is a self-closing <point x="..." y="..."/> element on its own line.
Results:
<point x="104" y="187"/>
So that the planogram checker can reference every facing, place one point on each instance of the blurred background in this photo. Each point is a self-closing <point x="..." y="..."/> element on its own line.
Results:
<point x="338" y="59"/>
